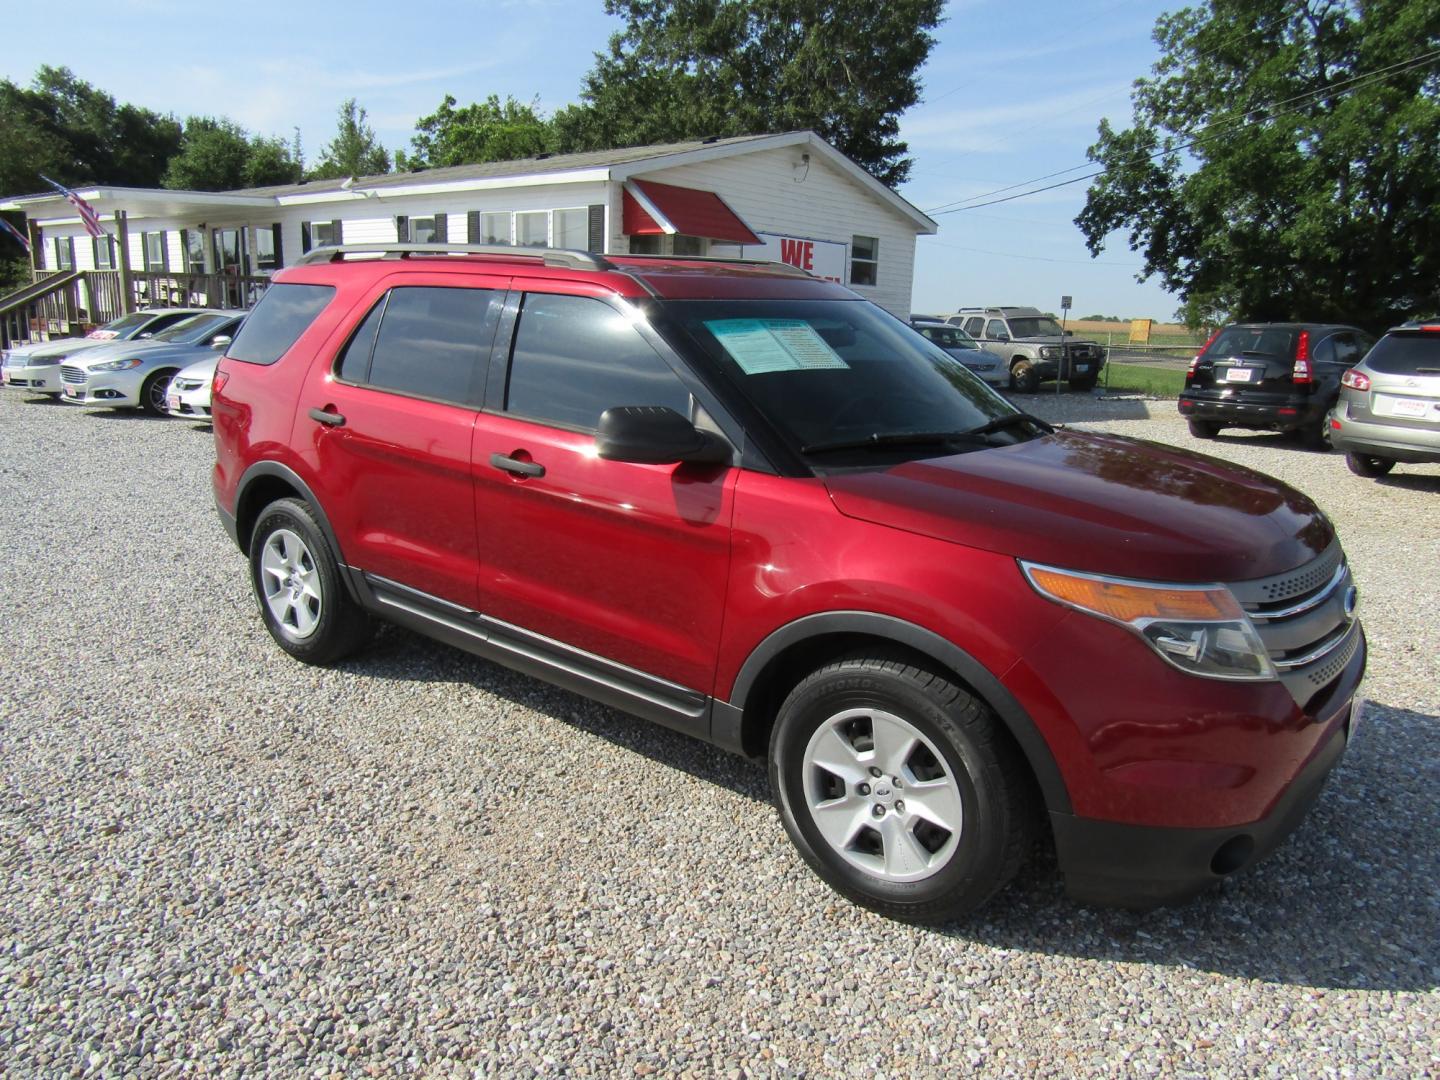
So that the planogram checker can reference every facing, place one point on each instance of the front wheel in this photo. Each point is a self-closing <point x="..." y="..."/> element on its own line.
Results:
<point x="297" y="584"/>
<point x="898" y="789"/>
<point x="152" y="393"/>
<point x="1368" y="465"/>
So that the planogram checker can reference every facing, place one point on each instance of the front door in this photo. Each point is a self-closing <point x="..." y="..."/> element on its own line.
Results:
<point x="622" y="561"/>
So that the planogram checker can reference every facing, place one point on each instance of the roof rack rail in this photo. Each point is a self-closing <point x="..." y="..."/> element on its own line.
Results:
<point x="771" y="264"/>
<point x="572" y="260"/>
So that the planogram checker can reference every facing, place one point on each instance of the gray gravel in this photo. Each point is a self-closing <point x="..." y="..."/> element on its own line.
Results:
<point x="216" y="860"/>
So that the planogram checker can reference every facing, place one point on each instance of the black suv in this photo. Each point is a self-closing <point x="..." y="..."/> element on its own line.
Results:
<point x="1270" y="377"/>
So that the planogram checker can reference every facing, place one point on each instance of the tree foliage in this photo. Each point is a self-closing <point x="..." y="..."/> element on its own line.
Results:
<point x="1283" y="161"/>
<point x="220" y="155"/>
<point x="696" y="68"/>
<point x="489" y="130"/>
<point x="65" y="128"/>
<point x="354" y="151"/>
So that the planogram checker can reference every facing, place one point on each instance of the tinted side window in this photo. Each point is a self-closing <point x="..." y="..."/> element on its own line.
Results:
<point x="1324" y="353"/>
<point x="282" y="315"/>
<point x="576" y="357"/>
<point x="354" y="365"/>
<point x="975" y="326"/>
<point x="1347" y="349"/>
<point x="433" y="341"/>
<point x="996" y="329"/>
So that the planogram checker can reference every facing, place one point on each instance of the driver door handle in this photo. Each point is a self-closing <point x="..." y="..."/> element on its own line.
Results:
<point x="328" y="417"/>
<point x="519" y="468"/>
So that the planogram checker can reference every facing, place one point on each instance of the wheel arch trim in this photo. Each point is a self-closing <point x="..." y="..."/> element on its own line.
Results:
<point x="263" y="470"/>
<point x="887" y="627"/>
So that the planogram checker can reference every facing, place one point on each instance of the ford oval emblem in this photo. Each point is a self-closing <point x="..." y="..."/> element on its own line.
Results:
<point x="1352" y="600"/>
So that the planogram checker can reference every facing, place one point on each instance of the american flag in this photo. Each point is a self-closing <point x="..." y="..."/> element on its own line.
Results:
<point x="20" y="237"/>
<point x="88" y="217"/>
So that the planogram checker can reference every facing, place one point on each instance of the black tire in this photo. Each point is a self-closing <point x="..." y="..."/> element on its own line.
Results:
<point x="1315" y="437"/>
<point x="1024" y="379"/>
<point x="319" y="628"/>
<point x="1368" y="465"/>
<point x="967" y="755"/>
<point x="152" y="393"/>
<point x="1204" y="429"/>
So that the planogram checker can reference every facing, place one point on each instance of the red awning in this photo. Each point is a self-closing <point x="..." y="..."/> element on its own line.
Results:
<point x="652" y="208"/>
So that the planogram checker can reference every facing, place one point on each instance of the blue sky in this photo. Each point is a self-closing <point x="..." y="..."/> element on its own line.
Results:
<point x="1012" y="91"/>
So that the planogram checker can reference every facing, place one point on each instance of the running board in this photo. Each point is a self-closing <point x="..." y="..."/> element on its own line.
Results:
<point x="587" y="674"/>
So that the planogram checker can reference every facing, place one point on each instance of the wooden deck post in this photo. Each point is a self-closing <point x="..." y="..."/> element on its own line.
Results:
<point x="122" y="239"/>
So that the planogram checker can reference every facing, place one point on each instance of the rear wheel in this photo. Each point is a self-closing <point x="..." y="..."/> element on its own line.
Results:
<point x="1204" y="429"/>
<point x="1368" y="465"/>
<point x="1024" y="379"/>
<point x="297" y="584"/>
<point x="898" y="788"/>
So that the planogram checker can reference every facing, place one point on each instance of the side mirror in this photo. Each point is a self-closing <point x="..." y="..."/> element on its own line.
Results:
<point x="221" y="343"/>
<point x="147" y="334"/>
<point x="655" y="435"/>
<point x="1002" y="336"/>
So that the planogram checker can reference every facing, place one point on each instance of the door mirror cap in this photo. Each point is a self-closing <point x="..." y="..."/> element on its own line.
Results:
<point x="221" y="343"/>
<point x="655" y="435"/>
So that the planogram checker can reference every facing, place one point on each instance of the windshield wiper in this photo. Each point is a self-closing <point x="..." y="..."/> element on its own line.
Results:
<point x="1000" y="423"/>
<point x="894" y="438"/>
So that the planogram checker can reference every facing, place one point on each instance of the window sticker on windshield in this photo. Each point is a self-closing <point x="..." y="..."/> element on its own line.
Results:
<point x="761" y="346"/>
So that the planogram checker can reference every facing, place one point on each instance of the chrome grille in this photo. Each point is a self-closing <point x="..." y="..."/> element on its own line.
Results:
<point x="1301" y="618"/>
<point x="73" y="374"/>
<point x="186" y="384"/>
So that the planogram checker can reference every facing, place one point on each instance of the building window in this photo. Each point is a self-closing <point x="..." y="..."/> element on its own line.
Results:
<point x="687" y="245"/>
<point x="104" y="252"/>
<point x="423" y="231"/>
<point x="646" y="244"/>
<point x="64" y="253"/>
<point x="495" y="229"/>
<point x="572" y="229"/>
<point x="265" y="250"/>
<point x="153" y="244"/>
<point x="532" y="229"/>
<point x="864" y="260"/>
<point x="192" y="242"/>
<point x="323" y="233"/>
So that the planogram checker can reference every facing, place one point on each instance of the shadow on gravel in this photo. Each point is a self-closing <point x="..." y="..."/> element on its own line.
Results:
<point x="1410" y="481"/>
<point x="1348" y="902"/>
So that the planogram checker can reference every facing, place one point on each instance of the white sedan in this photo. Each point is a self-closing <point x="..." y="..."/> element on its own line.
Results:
<point x="189" y="391"/>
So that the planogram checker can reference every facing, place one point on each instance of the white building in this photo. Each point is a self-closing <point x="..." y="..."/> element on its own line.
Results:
<point x="789" y="197"/>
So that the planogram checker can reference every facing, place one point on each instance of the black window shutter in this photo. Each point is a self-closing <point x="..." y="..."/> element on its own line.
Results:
<point x="304" y="236"/>
<point x="339" y="231"/>
<point x="402" y="228"/>
<point x="472" y="227"/>
<point x="442" y="234"/>
<point x="597" y="228"/>
<point x="279" y="250"/>
<point x="164" y="251"/>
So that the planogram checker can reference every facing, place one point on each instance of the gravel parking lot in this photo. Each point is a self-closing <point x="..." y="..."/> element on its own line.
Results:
<point x="217" y="860"/>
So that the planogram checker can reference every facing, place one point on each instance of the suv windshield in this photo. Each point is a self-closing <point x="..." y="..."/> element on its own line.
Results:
<point x="188" y="331"/>
<point x="1415" y="352"/>
<point x="948" y="337"/>
<point x="834" y="375"/>
<point x="1034" y="326"/>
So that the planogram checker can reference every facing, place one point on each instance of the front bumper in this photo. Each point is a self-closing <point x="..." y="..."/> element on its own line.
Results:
<point x="36" y="379"/>
<point x="100" y="392"/>
<point x="1137" y="866"/>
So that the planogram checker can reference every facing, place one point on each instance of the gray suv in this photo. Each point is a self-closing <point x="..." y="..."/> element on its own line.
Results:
<point x="1389" y="406"/>
<point x="1033" y="346"/>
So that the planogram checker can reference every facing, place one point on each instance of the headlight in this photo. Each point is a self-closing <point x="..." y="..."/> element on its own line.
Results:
<point x="1200" y="629"/>
<point x="118" y="365"/>
<point x="1050" y="352"/>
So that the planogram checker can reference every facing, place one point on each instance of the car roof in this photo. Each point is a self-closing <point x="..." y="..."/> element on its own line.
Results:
<point x="632" y="276"/>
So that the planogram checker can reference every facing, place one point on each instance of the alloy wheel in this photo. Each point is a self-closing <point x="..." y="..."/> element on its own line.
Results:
<point x="291" y="584"/>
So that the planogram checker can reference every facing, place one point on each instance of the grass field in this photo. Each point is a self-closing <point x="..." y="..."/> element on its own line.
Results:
<point x="1137" y="378"/>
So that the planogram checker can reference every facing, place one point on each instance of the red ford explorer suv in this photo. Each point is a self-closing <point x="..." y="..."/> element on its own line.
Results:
<point x="746" y="504"/>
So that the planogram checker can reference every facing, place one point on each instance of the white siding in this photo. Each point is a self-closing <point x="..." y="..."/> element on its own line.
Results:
<point x="772" y="195"/>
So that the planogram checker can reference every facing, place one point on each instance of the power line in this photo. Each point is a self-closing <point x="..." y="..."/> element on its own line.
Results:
<point x="1344" y="86"/>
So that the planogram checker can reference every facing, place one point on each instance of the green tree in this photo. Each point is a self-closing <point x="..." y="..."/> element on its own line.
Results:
<point x="354" y="151"/>
<point x="220" y="155"/>
<point x="843" y="68"/>
<point x="489" y="130"/>
<point x="1283" y="161"/>
<point x="70" y="131"/>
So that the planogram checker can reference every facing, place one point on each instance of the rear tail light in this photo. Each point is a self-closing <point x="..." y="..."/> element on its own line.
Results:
<point x="1302" y="372"/>
<point x="221" y="378"/>
<point x="1208" y="342"/>
<point x="1355" y="380"/>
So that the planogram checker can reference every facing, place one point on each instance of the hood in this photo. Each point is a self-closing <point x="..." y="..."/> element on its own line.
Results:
<point x="152" y="352"/>
<point x="201" y="369"/>
<point x="1099" y="503"/>
<point x="67" y="346"/>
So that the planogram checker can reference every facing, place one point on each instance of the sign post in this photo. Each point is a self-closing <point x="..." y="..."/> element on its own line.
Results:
<point x="1064" y="345"/>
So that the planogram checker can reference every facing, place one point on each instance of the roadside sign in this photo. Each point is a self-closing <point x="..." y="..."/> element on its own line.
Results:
<point x="1064" y="303"/>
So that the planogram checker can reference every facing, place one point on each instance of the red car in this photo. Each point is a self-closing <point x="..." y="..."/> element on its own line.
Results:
<point x="747" y="504"/>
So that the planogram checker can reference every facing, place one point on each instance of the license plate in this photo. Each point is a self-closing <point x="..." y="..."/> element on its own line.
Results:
<point x="71" y="391"/>
<point x="1239" y="374"/>
<point x="1082" y="368"/>
<point x="1408" y="407"/>
<point x="173" y="402"/>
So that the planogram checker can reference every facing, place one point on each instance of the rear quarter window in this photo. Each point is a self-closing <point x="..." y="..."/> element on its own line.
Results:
<point x="282" y="315"/>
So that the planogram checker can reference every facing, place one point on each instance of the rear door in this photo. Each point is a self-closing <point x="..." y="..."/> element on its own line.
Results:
<point x="386" y="429"/>
<point x="621" y="561"/>
<point x="1249" y="359"/>
<point x="1404" y="369"/>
